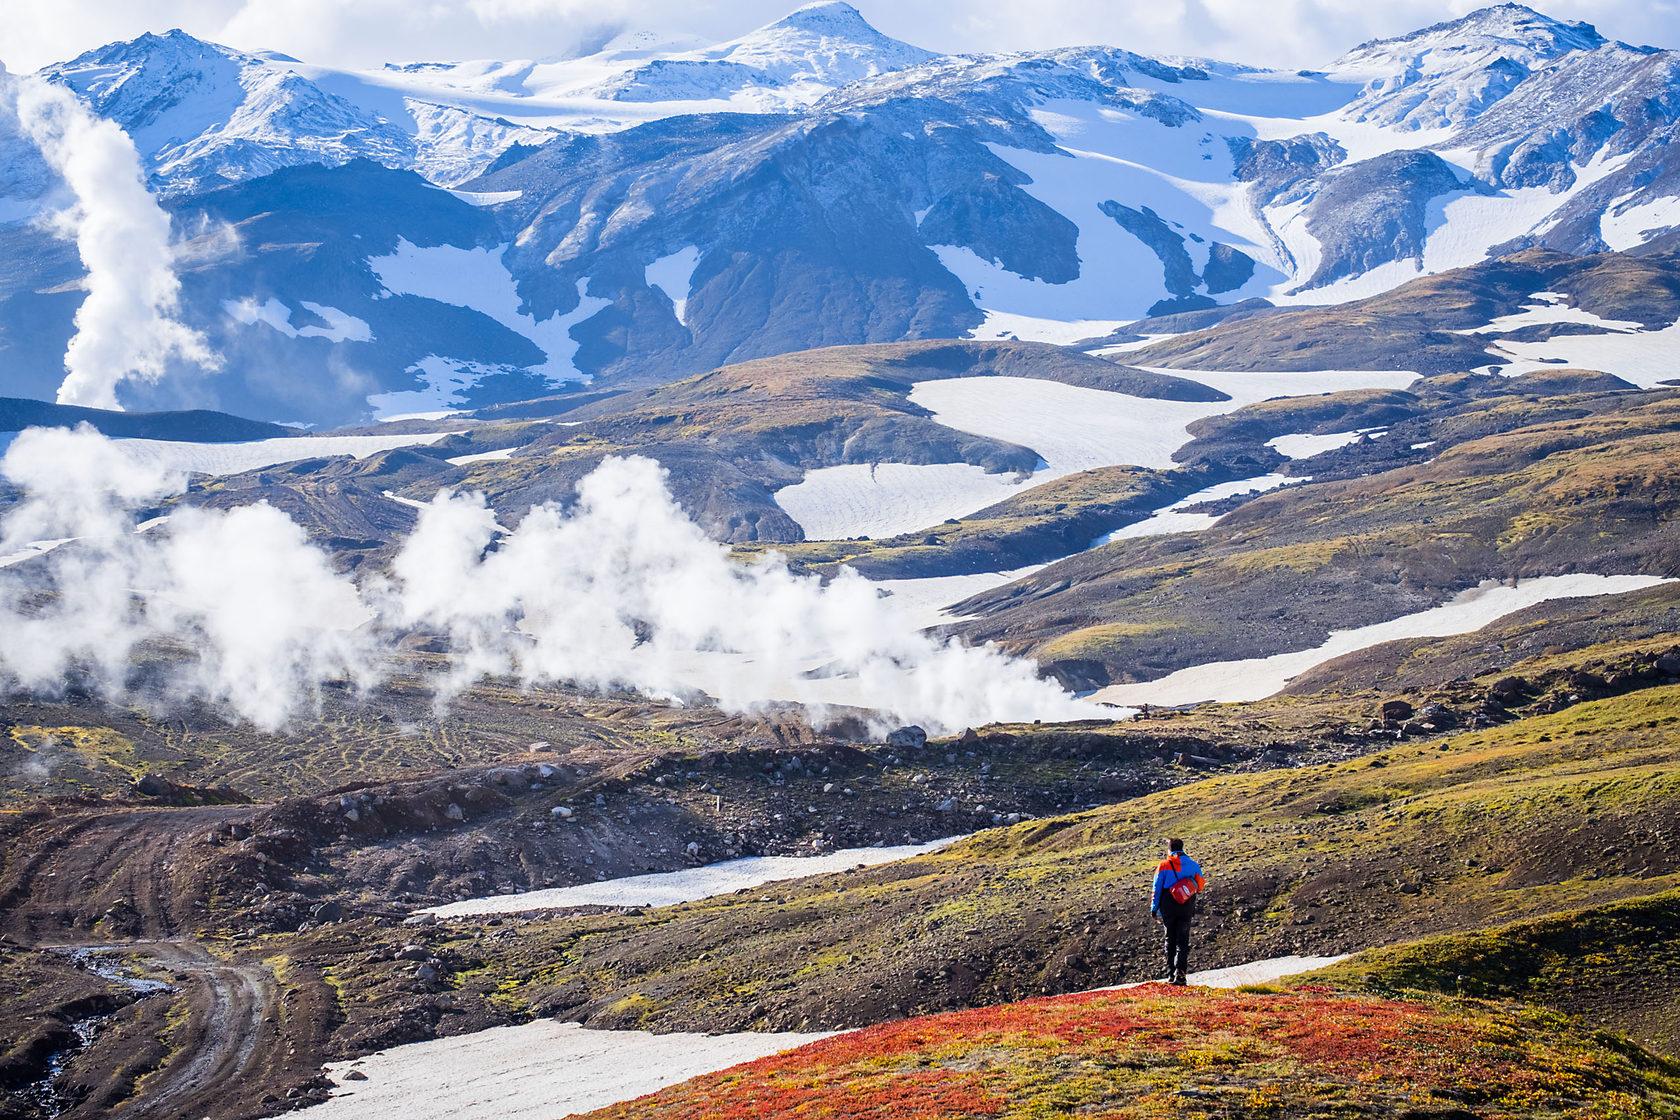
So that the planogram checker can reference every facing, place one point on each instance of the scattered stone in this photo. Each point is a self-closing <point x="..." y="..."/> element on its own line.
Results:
<point x="1396" y="711"/>
<point x="561" y="811"/>
<point x="454" y="812"/>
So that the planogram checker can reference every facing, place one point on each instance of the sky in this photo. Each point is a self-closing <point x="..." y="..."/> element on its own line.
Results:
<point x="351" y="33"/>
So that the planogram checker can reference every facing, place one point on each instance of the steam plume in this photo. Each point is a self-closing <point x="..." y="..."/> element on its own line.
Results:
<point x="621" y="590"/>
<point x="126" y="326"/>
<point x="625" y="591"/>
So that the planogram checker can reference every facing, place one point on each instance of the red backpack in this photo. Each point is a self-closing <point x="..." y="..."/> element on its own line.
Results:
<point x="1184" y="889"/>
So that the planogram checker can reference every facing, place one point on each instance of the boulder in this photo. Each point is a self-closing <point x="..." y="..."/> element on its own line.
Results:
<point x="911" y="738"/>
<point x="1438" y="716"/>
<point x="1396" y="711"/>
<point x="1509" y="690"/>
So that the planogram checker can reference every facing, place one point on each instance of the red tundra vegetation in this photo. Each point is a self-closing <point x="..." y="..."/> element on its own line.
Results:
<point x="1161" y="1052"/>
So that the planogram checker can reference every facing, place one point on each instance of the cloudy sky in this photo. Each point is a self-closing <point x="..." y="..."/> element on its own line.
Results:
<point x="367" y="32"/>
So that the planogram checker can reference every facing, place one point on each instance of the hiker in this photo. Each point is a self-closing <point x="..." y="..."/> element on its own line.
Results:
<point x="1178" y="880"/>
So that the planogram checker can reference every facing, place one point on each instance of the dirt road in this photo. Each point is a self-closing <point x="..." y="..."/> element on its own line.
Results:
<point x="223" y="1034"/>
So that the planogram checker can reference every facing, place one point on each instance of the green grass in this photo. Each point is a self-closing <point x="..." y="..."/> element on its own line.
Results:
<point x="1616" y="965"/>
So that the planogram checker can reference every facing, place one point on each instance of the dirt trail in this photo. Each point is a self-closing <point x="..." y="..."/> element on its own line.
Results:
<point x="70" y="869"/>
<point x="229" y="1037"/>
<point x="131" y="883"/>
<point x="231" y="1032"/>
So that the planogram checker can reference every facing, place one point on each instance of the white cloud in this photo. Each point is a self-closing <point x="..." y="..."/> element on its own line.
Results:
<point x="367" y="32"/>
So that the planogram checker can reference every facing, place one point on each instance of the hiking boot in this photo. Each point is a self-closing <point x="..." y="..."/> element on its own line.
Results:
<point x="1179" y="980"/>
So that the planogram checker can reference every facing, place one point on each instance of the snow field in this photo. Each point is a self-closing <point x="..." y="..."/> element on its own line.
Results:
<point x="1173" y="519"/>
<point x="232" y="458"/>
<point x="1256" y="678"/>
<point x="1072" y="429"/>
<point x="1306" y="446"/>
<point x="689" y="885"/>
<point x="477" y="279"/>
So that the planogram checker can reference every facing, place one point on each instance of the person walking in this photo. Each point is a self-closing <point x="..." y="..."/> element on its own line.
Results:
<point x="1178" y="880"/>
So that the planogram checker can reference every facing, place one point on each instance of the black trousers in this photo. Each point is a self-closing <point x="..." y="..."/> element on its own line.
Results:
<point x="1176" y="919"/>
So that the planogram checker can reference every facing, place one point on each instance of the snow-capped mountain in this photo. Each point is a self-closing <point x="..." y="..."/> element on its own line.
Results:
<point x="202" y="115"/>
<point x="659" y="208"/>
<point x="1446" y="75"/>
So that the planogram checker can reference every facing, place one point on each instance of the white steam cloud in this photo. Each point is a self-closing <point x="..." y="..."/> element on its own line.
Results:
<point x="261" y="611"/>
<point x="126" y="326"/>
<point x="621" y="590"/>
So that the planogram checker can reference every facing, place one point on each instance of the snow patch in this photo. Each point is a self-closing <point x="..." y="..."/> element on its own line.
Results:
<point x="486" y="198"/>
<point x="444" y="383"/>
<point x="674" y="275"/>
<point x="1256" y="678"/>
<point x="928" y="599"/>
<point x="341" y="325"/>
<point x="32" y="550"/>
<point x="886" y="499"/>
<point x="477" y="279"/>
<point x="233" y="458"/>
<point x="1549" y="308"/>
<point x="1632" y="227"/>
<point x="1072" y="429"/>
<point x="1306" y="446"/>
<point x="538" y="1071"/>
<point x="689" y="885"/>
<point x="1645" y="358"/>
<point x="1252" y="972"/>
<point x="1173" y="519"/>
<point x="482" y="457"/>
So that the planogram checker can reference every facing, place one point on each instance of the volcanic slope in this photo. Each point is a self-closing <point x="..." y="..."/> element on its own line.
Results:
<point x="1581" y="483"/>
<point x="1433" y="834"/>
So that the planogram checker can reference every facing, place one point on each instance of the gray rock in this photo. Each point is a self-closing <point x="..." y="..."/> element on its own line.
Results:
<point x="907" y="738"/>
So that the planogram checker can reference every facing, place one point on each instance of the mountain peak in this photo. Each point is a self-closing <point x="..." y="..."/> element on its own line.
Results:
<point x="826" y="15"/>
<point x="1506" y="26"/>
<point x="827" y="42"/>
<point x="830" y="21"/>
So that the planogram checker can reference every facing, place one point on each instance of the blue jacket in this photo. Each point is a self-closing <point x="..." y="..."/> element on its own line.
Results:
<point x="1166" y="875"/>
